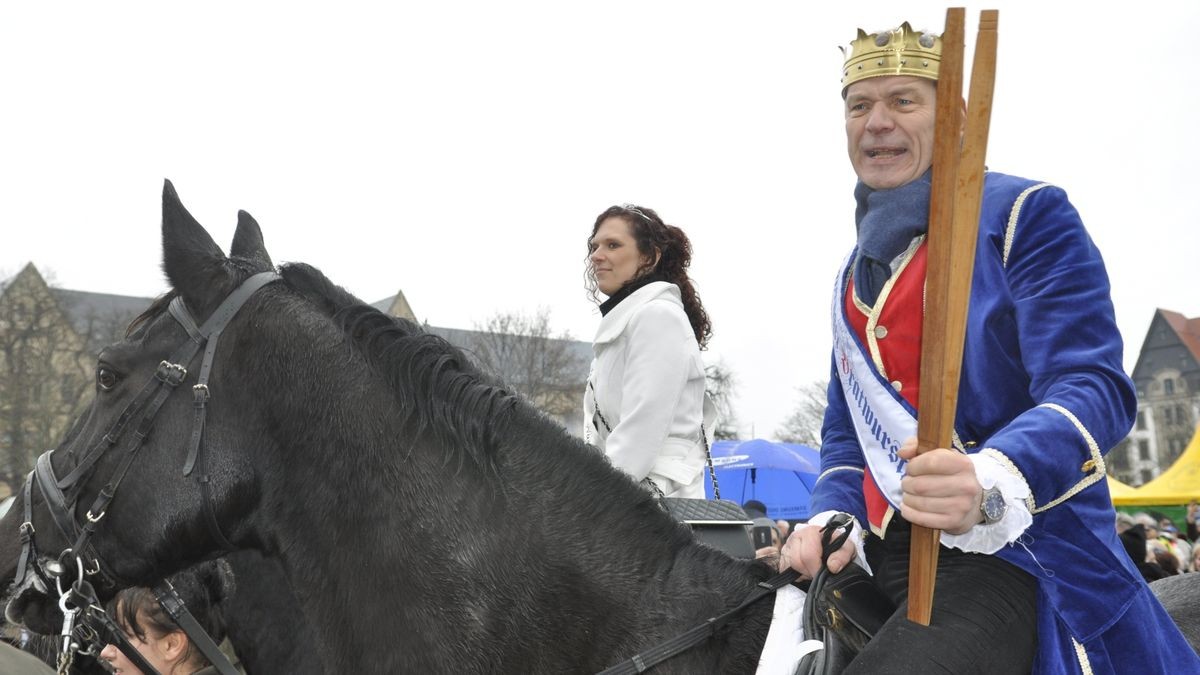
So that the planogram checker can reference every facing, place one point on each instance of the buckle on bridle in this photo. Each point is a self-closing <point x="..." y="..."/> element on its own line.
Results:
<point x="200" y="394"/>
<point x="171" y="373"/>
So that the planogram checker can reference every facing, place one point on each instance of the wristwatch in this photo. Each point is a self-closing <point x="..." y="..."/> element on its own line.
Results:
<point x="993" y="505"/>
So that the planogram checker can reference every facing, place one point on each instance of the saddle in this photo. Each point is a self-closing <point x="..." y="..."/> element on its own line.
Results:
<point x="843" y="611"/>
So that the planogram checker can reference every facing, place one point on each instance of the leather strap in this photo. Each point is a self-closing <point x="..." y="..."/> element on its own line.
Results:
<point x="640" y="663"/>
<point x="27" y="548"/>
<point x="113" y="634"/>
<point x="174" y="606"/>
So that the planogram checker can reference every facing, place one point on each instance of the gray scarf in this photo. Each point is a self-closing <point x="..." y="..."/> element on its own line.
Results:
<point x="888" y="221"/>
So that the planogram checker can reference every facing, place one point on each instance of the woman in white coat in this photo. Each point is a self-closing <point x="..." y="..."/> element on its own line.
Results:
<point x="644" y="405"/>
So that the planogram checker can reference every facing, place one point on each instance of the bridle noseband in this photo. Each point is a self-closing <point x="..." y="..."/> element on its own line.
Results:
<point x="62" y="495"/>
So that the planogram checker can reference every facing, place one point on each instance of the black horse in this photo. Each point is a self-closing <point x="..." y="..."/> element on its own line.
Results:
<point x="1180" y="596"/>
<point x="351" y="446"/>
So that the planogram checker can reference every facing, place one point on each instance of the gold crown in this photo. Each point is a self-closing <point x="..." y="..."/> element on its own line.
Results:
<point x="900" y="51"/>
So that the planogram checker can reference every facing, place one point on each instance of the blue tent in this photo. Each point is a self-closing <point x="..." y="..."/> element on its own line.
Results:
<point x="780" y="475"/>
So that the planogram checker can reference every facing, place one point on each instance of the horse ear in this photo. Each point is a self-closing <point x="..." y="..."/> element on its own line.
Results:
<point x="192" y="261"/>
<point x="248" y="241"/>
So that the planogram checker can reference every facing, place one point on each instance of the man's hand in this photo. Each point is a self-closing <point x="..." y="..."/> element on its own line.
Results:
<point x="940" y="489"/>
<point x="802" y="552"/>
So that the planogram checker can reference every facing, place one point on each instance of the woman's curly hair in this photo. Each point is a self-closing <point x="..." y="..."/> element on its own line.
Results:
<point x="667" y="243"/>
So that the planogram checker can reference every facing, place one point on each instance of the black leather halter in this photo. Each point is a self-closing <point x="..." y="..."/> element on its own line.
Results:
<point x="62" y="495"/>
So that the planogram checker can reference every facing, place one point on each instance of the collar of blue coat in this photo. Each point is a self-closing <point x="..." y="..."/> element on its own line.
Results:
<point x="613" y="323"/>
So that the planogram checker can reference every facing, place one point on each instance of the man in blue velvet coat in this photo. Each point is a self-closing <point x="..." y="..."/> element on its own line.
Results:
<point x="1032" y="576"/>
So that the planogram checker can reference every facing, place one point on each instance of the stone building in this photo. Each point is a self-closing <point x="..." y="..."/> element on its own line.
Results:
<point x="1167" y="377"/>
<point x="47" y="341"/>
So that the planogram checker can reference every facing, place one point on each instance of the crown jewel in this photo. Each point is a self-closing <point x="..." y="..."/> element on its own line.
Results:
<point x="900" y="51"/>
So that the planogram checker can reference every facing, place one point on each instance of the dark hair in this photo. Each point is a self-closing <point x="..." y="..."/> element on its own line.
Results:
<point x="1167" y="561"/>
<point x="656" y="239"/>
<point x="201" y="588"/>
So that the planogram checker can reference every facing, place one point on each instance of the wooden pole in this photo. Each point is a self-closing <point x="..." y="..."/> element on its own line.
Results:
<point x="958" y="168"/>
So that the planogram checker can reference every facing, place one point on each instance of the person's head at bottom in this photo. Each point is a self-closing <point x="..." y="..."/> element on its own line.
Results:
<point x="155" y="635"/>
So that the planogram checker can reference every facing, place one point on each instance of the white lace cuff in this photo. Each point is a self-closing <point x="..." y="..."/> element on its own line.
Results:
<point x="856" y="535"/>
<point x="984" y="538"/>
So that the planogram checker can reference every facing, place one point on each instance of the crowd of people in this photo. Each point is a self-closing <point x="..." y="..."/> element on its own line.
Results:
<point x="1157" y="546"/>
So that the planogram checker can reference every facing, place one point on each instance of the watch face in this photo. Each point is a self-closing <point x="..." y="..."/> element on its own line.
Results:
<point x="993" y="505"/>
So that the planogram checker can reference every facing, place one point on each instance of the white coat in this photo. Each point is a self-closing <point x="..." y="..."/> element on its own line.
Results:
<point x="648" y="383"/>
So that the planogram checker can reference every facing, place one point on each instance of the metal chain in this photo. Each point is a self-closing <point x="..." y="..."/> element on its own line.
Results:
<point x="712" y="473"/>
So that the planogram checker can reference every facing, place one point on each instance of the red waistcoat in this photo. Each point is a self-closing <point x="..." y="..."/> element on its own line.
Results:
<point x="891" y="331"/>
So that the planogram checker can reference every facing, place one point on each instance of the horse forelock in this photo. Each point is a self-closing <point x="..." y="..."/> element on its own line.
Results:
<point x="437" y="387"/>
<point x="150" y="313"/>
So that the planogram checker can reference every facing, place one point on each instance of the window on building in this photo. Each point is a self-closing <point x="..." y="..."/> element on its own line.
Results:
<point x="1168" y="416"/>
<point x="1180" y="415"/>
<point x="1141" y="421"/>
<point x="1168" y="386"/>
<point x="1144" y="449"/>
<point x="1119" y="459"/>
<point x="1147" y="475"/>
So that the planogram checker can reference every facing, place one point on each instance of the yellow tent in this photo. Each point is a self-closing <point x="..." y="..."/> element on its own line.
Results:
<point x="1178" y="485"/>
<point x="1118" y="489"/>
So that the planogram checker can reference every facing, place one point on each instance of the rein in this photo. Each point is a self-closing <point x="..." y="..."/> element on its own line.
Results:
<point x="642" y="662"/>
<point x="61" y="495"/>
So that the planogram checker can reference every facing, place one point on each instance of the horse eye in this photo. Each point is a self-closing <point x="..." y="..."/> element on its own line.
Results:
<point x="106" y="378"/>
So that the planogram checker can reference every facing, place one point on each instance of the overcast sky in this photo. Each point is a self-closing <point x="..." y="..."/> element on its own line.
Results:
<point x="460" y="151"/>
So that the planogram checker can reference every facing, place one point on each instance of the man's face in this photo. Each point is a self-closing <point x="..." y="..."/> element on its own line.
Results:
<point x="889" y="129"/>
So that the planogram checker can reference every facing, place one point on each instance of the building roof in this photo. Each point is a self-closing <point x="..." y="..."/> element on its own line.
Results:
<point x="579" y="352"/>
<point x="98" y="315"/>
<point x="104" y="316"/>
<point x="396" y="305"/>
<point x="1187" y="329"/>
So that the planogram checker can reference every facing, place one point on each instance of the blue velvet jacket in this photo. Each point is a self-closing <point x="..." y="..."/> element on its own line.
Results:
<point x="1044" y="391"/>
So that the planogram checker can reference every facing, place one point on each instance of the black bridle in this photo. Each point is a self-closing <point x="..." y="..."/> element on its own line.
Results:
<point x="62" y="495"/>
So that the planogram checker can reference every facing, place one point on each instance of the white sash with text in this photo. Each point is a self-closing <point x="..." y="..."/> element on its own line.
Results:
<point x="882" y="419"/>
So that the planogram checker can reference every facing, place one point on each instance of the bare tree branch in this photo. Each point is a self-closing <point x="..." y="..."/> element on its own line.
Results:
<point x="721" y="385"/>
<point x="804" y="424"/>
<point x="522" y="351"/>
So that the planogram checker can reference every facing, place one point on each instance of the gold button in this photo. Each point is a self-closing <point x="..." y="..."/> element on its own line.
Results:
<point x="1088" y="466"/>
<point x="897" y="385"/>
<point x="970" y="444"/>
<point x="880" y="332"/>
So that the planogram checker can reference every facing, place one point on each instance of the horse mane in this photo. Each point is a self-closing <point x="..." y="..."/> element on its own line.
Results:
<point x="436" y="385"/>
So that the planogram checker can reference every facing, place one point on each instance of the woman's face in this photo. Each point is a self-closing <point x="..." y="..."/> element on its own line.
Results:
<point x="161" y="651"/>
<point x="615" y="258"/>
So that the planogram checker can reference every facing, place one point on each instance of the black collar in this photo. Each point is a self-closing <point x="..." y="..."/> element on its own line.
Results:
<point x="628" y="290"/>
